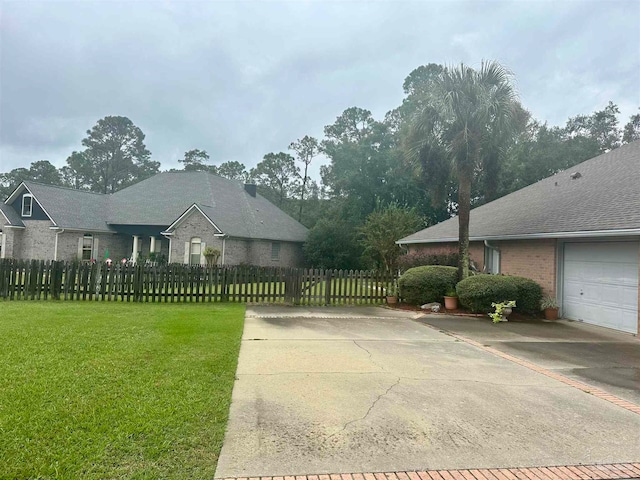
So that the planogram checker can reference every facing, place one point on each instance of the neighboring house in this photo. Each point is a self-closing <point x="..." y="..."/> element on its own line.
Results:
<point x="576" y="233"/>
<point x="173" y="214"/>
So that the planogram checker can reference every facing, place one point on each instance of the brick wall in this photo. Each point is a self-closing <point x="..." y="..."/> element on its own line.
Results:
<point x="10" y="242"/>
<point x="534" y="259"/>
<point x="260" y="254"/>
<point x="195" y="225"/>
<point x="236" y="250"/>
<point x="36" y="241"/>
<point x="119" y="245"/>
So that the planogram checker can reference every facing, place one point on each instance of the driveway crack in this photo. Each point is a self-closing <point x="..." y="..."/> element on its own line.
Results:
<point x="373" y="404"/>
<point x="381" y="367"/>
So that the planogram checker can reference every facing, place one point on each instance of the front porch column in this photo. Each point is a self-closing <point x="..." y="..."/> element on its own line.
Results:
<point x="134" y="255"/>
<point x="152" y="247"/>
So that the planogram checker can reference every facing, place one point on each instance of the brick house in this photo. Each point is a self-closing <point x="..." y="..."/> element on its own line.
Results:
<point x="576" y="233"/>
<point x="173" y="214"/>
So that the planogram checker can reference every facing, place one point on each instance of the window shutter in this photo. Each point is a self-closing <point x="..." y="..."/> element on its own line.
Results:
<point x="94" y="253"/>
<point x="186" y="253"/>
<point x="80" y="240"/>
<point x="203" y="260"/>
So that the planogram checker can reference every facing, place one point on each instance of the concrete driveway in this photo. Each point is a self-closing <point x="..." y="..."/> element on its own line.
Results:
<point x="597" y="356"/>
<point x="337" y="390"/>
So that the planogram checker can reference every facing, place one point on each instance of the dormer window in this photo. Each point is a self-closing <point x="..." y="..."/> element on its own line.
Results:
<point x="27" y="205"/>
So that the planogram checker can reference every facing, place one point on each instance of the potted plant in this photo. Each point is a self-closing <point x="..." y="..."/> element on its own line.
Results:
<point x="392" y="294"/>
<point x="211" y="255"/>
<point x="550" y="307"/>
<point x="451" y="300"/>
<point x="503" y="310"/>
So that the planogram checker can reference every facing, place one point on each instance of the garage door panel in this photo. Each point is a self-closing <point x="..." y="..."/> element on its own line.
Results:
<point x="600" y="284"/>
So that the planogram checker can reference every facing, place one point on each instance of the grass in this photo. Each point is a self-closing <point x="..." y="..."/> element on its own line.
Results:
<point x="112" y="390"/>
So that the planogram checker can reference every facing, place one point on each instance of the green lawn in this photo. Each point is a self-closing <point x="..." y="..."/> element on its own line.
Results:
<point x="113" y="390"/>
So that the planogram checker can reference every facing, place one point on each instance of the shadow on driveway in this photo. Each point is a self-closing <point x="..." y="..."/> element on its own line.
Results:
<point x="600" y="357"/>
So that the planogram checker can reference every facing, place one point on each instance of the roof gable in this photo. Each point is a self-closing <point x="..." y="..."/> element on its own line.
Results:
<point x="605" y="197"/>
<point x="67" y="207"/>
<point x="14" y="201"/>
<point x="192" y="209"/>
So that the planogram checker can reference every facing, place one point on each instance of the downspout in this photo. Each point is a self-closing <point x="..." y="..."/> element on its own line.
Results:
<point x="224" y="244"/>
<point x="55" y="247"/>
<point x="168" y="236"/>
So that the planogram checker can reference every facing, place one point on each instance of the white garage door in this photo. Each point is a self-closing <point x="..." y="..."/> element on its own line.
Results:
<point x="601" y="284"/>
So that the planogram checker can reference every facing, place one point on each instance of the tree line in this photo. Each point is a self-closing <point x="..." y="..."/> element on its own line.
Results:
<point x="460" y="138"/>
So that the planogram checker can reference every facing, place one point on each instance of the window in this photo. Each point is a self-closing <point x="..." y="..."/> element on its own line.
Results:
<point x="27" y="205"/>
<point x="491" y="260"/>
<point x="195" y="251"/>
<point x="275" y="250"/>
<point x="87" y="247"/>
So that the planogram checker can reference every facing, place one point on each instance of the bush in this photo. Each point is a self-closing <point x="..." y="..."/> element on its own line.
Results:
<point x="419" y="259"/>
<point x="528" y="296"/>
<point x="427" y="284"/>
<point x="478" y="292"/>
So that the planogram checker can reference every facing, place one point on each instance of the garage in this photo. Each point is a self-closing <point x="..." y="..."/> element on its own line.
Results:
<point x="600" y="284"/>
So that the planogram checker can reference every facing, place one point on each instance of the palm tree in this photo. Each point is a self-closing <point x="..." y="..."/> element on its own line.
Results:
<point x="467" y="116"/>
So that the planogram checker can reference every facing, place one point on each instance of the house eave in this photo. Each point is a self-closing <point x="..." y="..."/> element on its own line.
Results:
<point x="77" y="229"/>
<point x="624" y="232"/>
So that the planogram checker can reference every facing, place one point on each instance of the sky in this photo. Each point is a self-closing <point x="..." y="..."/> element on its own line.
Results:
<point x="240" y="79"/>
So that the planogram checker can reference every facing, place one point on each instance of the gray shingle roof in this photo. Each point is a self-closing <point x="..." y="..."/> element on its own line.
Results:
<point x="605" y="197"/>
<point x="161" y="199"/>
<point x="70" y="208"/>
<point x="11" y="215"/>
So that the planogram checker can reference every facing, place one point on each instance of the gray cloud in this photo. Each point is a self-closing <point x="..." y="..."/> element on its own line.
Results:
<point x="240" y="79"/>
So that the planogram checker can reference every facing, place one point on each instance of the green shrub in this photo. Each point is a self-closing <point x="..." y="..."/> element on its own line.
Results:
<point x="427" y="284"/>
<point x="528" y="296"/>
<point x="478" y="292"/>
<point x="421" y="259"/>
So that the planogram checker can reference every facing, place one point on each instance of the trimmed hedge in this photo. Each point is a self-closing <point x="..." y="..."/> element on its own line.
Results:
<point x="421" y="259"/>
<point x="478" y="292"/>
<point x="427" y="284"/>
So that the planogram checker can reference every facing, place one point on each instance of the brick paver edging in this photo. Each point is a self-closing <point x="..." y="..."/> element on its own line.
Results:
<point x="616" y="471"/>
<point x="596" y="392"/>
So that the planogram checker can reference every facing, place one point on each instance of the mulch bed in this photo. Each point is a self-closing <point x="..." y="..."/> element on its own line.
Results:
<point x="459" y="312"/>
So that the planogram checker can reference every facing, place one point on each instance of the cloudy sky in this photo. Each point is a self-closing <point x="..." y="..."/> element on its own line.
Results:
<point x="241" y="79"/>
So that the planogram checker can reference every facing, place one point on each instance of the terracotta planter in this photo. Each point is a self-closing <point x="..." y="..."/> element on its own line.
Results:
<point x="451" y="303"/>
<point x="392" y="300"/>
<point x="550" y="313"/>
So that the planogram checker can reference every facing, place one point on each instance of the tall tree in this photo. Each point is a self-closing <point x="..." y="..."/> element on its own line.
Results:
<point x="381" y="230"/>
<point x="115" y="156"/>
<point x="41" y="171"/>
<point x="457" y="127"/>
<point x="278" y="174"/>
<point x="361" y="153"/>
<point x="305" y="148"/>
<point x="631" y="130"/>
<point x="195" y="160"/>
<point x="232" y="170"/>
<point x="601" y="126"/>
